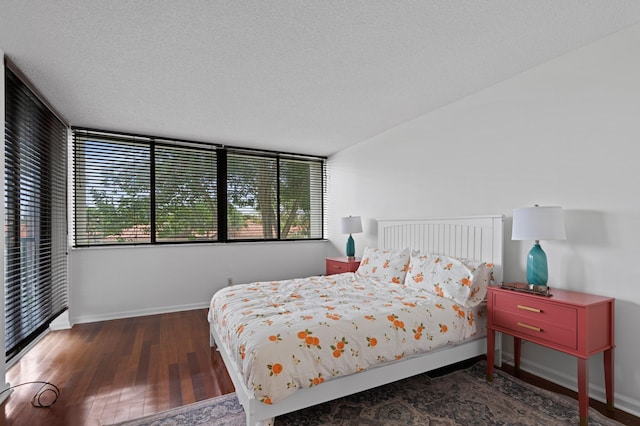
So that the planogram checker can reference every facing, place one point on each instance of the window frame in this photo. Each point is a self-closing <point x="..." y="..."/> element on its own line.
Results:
<point x="222" y="153"/>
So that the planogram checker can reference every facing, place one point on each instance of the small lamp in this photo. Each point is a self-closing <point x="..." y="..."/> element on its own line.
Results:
<point x="351" y="225"/>
<point x="538" y="223"/>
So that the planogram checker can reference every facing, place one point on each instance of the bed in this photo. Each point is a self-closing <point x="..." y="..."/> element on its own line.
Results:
<point x="295" y="343"/>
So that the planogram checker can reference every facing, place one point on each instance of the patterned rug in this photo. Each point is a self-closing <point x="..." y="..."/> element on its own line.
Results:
<point x="463" y="397"/>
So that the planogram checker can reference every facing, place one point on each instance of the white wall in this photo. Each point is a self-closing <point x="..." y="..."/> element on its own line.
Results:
<point x="118" y="282"/>
<point x="564" y="133"/>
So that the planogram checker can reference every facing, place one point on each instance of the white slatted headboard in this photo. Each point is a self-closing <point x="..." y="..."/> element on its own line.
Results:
<point x="474" y="237"/>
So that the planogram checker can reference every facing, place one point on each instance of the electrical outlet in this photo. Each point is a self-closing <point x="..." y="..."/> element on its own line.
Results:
<point x="229" y="281"/>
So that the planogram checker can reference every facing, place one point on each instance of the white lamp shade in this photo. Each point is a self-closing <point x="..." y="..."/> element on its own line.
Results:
<point x="350" y="225"/>
<point x="538" y="223"/>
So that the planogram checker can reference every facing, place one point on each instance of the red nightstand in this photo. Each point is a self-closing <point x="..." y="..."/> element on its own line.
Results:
<point x="339" y="265"/>
<point x="575" y="323"/>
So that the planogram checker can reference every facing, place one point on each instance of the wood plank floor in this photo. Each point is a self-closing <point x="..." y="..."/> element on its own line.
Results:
<point x="117" y="370"/>
<point x="122" y="369"/>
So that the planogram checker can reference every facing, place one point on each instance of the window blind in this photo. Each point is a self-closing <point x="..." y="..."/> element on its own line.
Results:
<point x="252" y="187"/>
<point x="185" y="194"/>
<point x="112" y="189"/>
<point x="302" y="198"/>
<point x="36" y="220"/>
<point x="279" y="197"/>
<point x="135" y="189"/>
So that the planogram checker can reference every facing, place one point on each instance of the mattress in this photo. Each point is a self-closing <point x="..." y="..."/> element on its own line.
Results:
<point x="292" y="334"/>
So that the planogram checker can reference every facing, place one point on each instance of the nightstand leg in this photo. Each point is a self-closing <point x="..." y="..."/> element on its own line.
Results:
<point x="491" y="350"/>
<point x="517" y="350"/>
<point x="608" y="377"/>
<point x="583" y="390"/>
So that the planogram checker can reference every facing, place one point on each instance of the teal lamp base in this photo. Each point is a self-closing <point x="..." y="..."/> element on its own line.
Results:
<point x="537" y="273"/>
<point x="351" y="247"/>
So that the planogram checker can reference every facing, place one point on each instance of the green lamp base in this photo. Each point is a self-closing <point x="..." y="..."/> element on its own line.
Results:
<point x="351" y="247"/>
<point x="537" y="273"/>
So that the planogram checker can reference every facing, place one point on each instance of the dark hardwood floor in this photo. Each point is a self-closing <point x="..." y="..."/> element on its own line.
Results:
<point x="116" y="370"/>
<point x="618" y="415"/>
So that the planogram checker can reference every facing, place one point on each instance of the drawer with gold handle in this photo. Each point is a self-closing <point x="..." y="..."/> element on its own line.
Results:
<point x="529" y="327"/>
<point x="528" y="308"/>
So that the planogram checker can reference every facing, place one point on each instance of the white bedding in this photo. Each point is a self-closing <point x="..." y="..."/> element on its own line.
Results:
<point x="299" y="333"/>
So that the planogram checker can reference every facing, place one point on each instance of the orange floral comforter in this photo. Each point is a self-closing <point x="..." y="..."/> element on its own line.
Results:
<point x="298" y="333"/>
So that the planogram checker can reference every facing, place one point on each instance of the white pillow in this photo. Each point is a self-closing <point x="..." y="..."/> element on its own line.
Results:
<point x="385" y="265"/>
<point x="465" y="282"/>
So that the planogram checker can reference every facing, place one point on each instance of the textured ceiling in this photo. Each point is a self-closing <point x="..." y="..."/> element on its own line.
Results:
<point x="301" y="76"/>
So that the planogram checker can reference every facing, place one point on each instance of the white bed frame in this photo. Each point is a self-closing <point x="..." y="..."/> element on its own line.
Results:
<point x="473" y="238"/>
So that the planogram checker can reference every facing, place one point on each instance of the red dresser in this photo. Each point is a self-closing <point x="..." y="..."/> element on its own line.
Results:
<point x="575" y="323"/>
<point x="339" y="265"/>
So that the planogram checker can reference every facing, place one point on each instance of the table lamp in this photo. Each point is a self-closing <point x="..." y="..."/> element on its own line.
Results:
<point x="538" y="223"/>
<point x="351" y="225"/>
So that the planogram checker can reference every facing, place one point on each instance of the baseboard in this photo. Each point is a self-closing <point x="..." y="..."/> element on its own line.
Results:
<point x="138" y="313"/>
<point x="61" y="322"/>
<point x="5" y="392"/>
<point x="622" y="402"/>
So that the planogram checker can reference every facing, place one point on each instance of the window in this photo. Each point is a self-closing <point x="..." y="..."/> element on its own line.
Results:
<point x="274" y="197"/>
<point x="35" y="216"/>
<point x="185" y="194"/>
<point x="251" y="196"/>
<point x="143" y="190"/>
<point x="112" y="190"/>
<point x="301" y="198"/>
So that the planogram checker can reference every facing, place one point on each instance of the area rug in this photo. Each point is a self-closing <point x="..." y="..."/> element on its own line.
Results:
<point x="463" y="397"/>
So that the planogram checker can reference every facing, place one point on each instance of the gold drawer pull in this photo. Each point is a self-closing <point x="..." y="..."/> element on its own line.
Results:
<point x="527" y="308"/>
<point x="530" y="327"/>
